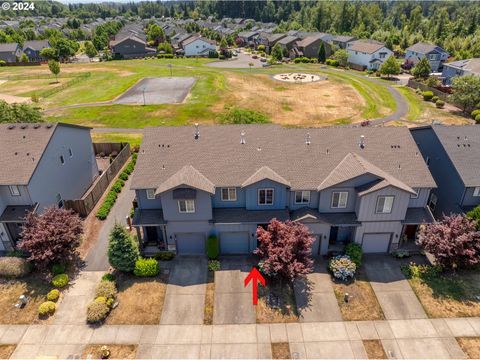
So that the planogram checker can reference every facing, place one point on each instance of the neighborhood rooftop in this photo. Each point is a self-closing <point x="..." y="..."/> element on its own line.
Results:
<point x="302" y="158"/>
<point x="366" y="46"/>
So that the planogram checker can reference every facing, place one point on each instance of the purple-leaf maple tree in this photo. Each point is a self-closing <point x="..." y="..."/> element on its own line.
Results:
<point x="453" y="241"/>
<point x="285" y="249"/>
<point x="52" y="236"/>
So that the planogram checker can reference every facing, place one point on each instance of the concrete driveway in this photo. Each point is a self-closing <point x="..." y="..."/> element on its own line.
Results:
<point x="233" y="301"/>
<point x="315" y="297"/>
<point x="185" y="295"/>
<point x="396" y="297"/>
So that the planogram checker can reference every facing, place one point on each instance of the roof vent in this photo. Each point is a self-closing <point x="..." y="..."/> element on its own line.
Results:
<point x="163" y="167"/>
<point x="10" y="127"/>
<point x="328" y="151"/>
<point x="23" y="126"/>
<point x="197" y="132"/>
<point x="259" y="148"/>
<point x="36" y="126"/>
<point x="307" y="139"/>
<point x="362" y="142"/>
<point x="242" y="137"/>
<point x="49" y="126"/>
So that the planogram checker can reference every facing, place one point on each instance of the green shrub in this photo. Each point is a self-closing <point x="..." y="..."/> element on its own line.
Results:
<point x="97" y="311"/>
<point x="118" y="185"/>
<point x="129" y="168"/>
<point x="434" y="98"/>
<point x="3" y="63"/>
<point x="243" y="116"/>
<point x="427" y="95"/>
<point x="213" y="265"/>
<point x="102" y="299"/>
<point x="123" y="175"/>
<point x="60" y="280"/>
<point x="164" y="255"/>
<point x="110" y="302"/>
<point x="477" y="119"/>
<point x="14" y="267"/>
<point x="58" y="268"/>
<point x="355" y="252"/>
<point x="134" y="156"/>
<point x="46" y="308"/>
<point x="16" y="253"/>
<point x="342" y="267"/>
<point x="440" y="104"/>
<point x="107" y="205"/>
<point x="332" y="62"/>
<point x="426" y="272"/>
<point x="106" y="289"/>
<point x="475" y="113"/>
<point x="165" y="56"/>
<point x="102" y="212"/>
<point x="53" y="295"/>
<point x="122" y="249"/>
<point x="108" y="277"/>
<point x="146" y="267"/>
<point x="213" y="247"/>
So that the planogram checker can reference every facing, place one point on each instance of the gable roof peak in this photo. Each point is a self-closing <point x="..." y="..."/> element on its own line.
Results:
<point x="265" y="173"/>
<point x="188" y="176"/>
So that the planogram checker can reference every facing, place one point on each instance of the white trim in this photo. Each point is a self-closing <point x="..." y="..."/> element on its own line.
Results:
<point x="14" y="190"/>
<point x="476" y="191"/>
<point x="302" y="193"/>
<point x="384" y="203"/>
<point x="340" y="194"/>
<point x="187" y="210"/>
<point x="150" y="194"/>
<point x="228" y="194"/>
<point x="265" y="189"/>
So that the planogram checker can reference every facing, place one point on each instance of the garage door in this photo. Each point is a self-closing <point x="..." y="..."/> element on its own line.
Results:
<point x="190" y="243"/>
<point x="376" y="243"/>
<point x="234" y="243"/>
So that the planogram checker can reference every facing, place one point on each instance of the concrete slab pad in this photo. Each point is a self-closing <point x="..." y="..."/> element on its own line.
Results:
<point x="25" y="351"/>
<point x="383" y="329"/>
<point x="104" y="335"/>
<point x="182" y="309"/>
<point x="205" y="351"/>
<point x="294" y="332"/>
<point x="367" y="330"/>
<point x="231" y="334"/>
<point x="460" y="327"/>
<point x="400" y="305"/>
<point x="263" y="334"/>
<point x="149" y="334"/>
<point x="173" y="352"/>
<point x="234" y="351"/>
<point x="207" y="334"/>
<point x="412" y="329"/>
<point x="441" y="327"/>
<point x="475" y="323"/>
<point x="231" y="281"/>
<point x="65" y="315"/>
<point x="179" y="335"/>
<point x="297" y="350"/>
<point x="320" y="307"/>
<point x="358" y="349"/>
<point x="145" y="351"/>
<point x="129" y="334"/>
<point x="264" y="351"/>
<point x="391" y="349"/>
<point x="324" y="331"/>
<point x="61" y="351"/>
<point x="352" y="330"/>
<point x="233" y="308"/>
<point x="423" y="348"/>
<point x="278" y="333"/>
<point x="329" y="350"/>
<point x="35" y="334"/>
<point x="13" y="334"/>
<point x="454" y="348"/>
<point x="188" y="277"/>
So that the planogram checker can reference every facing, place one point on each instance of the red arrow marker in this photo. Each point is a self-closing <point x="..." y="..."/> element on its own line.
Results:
<point x="254" y="276"/>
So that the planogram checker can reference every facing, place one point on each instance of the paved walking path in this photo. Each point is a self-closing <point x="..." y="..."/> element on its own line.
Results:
<point x="418" y="338"/>
<point x="97" y="259"/>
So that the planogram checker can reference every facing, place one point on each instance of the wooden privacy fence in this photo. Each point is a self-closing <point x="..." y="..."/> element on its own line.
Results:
<point x="88" y="201"/>
<point x="418" y="85"/>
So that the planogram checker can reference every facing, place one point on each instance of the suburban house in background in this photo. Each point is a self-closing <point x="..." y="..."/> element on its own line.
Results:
<point x="42" y="165"/>
<point x="10" y="52"/>
<point x="32" y="49"/>
<point x="451" y="153"/>
<point x="367" y="185"/>
<point x="367" y="54"/>
<point x="435" y="55"/>
<point x="310" y="46"/>
<point x="247" y="38"/>
<point x="288" y="42"/>
<point x="269" y="40"/>
<point x="198" y="46"/>
<point x="131" y="42"/>
<point x="341" y="41"/>
<point x="460" y="68"/>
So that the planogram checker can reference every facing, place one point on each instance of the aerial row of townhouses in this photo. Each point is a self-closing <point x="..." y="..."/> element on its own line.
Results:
<point x="374" y="186"/>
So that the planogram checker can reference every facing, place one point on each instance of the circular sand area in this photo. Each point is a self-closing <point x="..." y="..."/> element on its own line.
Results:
<point x="298" y="78"/>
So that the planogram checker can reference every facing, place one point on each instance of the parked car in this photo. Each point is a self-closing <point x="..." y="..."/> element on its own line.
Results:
<point x="254" y="56"/>
<point x="263" y="60"/>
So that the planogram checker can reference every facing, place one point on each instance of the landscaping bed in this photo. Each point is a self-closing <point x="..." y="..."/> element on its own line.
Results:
<point x="374" y="349"/>
<point x="140" y="300"/>
<point x="362" y="303"/>
<point x="470" y="346"/>
<point x="6" y="351"/>
<point x="209" y="299"/>
<point x="276" y="304"/>
<point x="281" y="351"/>
<point x="116" y="351"/>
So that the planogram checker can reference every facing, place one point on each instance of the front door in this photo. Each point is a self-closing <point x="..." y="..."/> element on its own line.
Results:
<point x="410" y="231"/>
<point x="152" y="234"/>
<point x="333" y="235"/>
<point x="14" y="230"/>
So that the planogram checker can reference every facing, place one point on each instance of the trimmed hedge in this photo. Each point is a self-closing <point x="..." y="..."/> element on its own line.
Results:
<point x="213" y="247"/>
<point x="97" y="311"/>
<point x="146" y="267"/>
<point x="355" y="252"/>
<point x="46" y="308"/>
<point x="440" y="104"/>
<point x="332" y="62"/>
<point x="164" y="256"/>
<point x="427" y="95"/>
<point x="60" y="280"/>
<point x="106" y="289"/>
<point x="53" y="295"/>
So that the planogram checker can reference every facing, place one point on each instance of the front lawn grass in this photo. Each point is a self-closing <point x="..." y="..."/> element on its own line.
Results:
<point x="116" y="351"/>
<point x="470" y="346"/>
<point x="34" y="287"/>
<point x="374" y="349"/>
<point x="281" y="351"/>
<point x="362" y="303"/>
<point x="132" y="139"/>
<point x="209" y="299"/>
<point x="449" y="294"/>
<point x="285" y="313"/>
<point x="140" y="300"/>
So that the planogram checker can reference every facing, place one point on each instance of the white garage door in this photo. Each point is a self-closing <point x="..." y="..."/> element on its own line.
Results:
<point x="376" y="243"/>
<point x="234" y="243"/>
<point x="190" y="243"/>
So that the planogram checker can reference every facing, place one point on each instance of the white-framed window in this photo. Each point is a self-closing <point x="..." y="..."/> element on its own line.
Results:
<point x="14" y="190"/>
<point x="150" y="194"/>
<point x="476" y="191"/>
<point x="70" y="152"/>
<point x="302" y="197"/>
<point x="229" y="194"/>
<point x="339" y="199"/>
<point x="384" y="204"/>
<point x="59" y="200"/>
<point x="186" y="206"/>
<point x="414" y="196"/>
<point x="62" y="160"/>
<point x="265" y="196"/>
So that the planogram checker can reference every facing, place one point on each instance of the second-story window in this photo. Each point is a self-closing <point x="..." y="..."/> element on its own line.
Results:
<point x="476" y="191"/>
<point x="229" y="194"/>
<point x="384" y="204"/>
<point x="14" y="190"/>
<point x="150" y="194"/>
<point x="302" y="197"/>
<point x="265" y="196"/>
<point x="339" y="199"/>
<point x="186" y="206"/>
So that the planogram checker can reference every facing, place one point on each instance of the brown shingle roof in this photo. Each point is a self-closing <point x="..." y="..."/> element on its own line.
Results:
<point x="365" y="46"/>
<point x="189" y="176"/>
<point x="265" y="173"/>
<point x="220" y="157"/>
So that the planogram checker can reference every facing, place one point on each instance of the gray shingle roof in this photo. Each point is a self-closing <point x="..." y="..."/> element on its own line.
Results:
<point x="424" y="48"/>
<point x="418" y="216"/>
<point x="265" y="173"/>
<point x="189" y="176"/>
<point x="36" y="44"/>
<point x="471" y="66"/>
<point x="222" y="159"/>
<point x="462" y="144"/>
<point x="8" y="47"/>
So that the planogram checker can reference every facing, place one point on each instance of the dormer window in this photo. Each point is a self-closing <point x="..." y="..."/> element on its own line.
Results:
<point x="302" y="197"/>
<point x="186" y="206"/>
<point x="14" y="190"/>
<point x="339" y="199"/>
<point x="265" y="196"/>
<point x="229" y="194"/>
<point x="384" y="204"/>
<point x="150" y="194"/>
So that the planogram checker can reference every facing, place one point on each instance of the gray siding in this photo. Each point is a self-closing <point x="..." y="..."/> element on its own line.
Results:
<point x="203" y="208"/>
<point x="421" y="200"/>
<point x="129" y="47"/>
<point x="367" y="205"/>
<point x="279" y="196"/>
<point x="325" y="204"/>
<point x="71" y="179"/>
<point x="218" y="203"/>
<point x="7" y="199"/>
<point x="314" y="196"/>
<point x="144" y="203"/>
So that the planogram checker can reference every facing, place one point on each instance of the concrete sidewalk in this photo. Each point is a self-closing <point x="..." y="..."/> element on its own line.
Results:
<point x="415" y="339"/>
